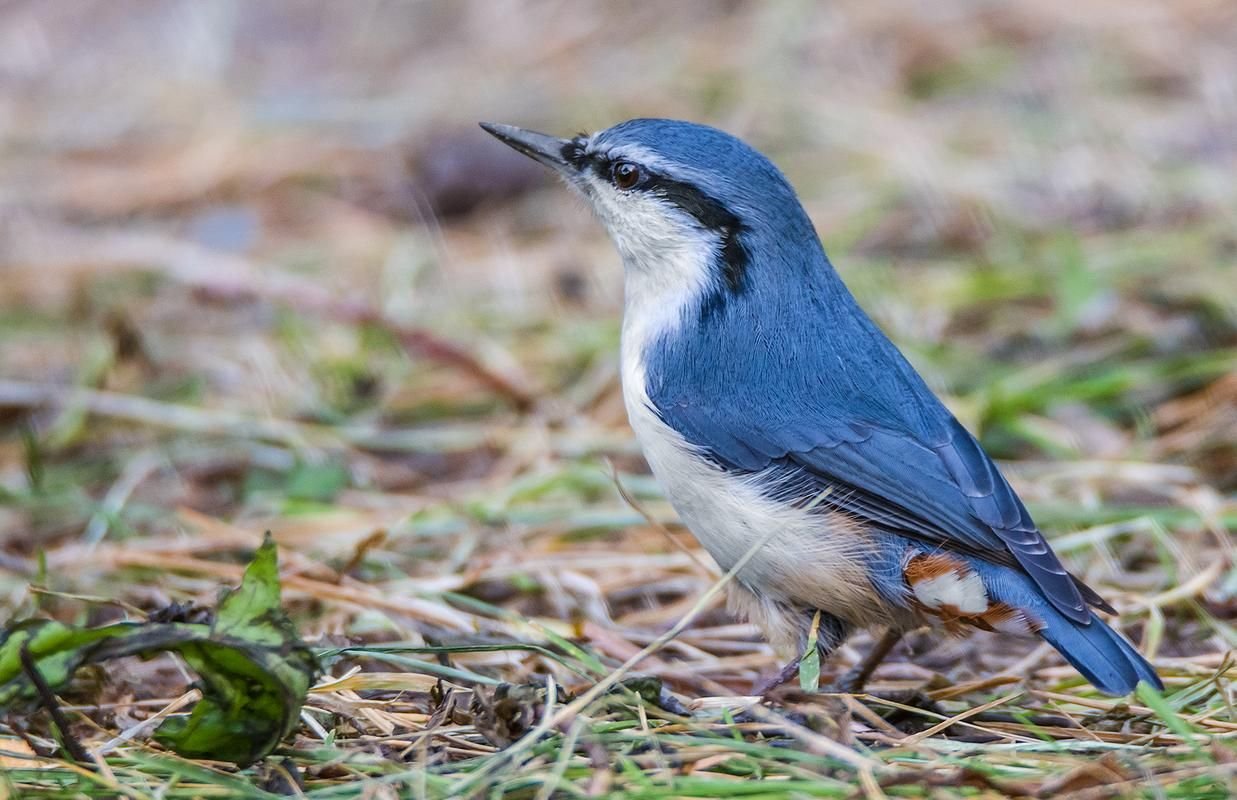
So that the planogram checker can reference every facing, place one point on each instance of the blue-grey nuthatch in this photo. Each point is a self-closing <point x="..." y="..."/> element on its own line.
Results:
<point x="789" y="433"/>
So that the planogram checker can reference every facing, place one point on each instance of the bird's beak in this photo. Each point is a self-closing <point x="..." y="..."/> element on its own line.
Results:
<point x="537" y="146"/>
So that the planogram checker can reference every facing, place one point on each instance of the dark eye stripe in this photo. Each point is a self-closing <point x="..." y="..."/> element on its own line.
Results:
<point x="709" y="212"/>
<point x="712" y="215"/>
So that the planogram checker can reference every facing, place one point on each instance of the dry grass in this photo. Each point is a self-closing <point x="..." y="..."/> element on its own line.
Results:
<point x="261" y="271"/>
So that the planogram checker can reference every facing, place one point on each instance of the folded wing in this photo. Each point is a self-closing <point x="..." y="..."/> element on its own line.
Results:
<point x="928" y="479"/>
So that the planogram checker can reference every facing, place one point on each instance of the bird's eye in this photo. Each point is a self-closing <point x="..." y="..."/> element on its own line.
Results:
<point x="625" y="174"/>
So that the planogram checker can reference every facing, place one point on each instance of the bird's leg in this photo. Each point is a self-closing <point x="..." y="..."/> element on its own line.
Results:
<point x="855" y="678"/>
<point x="784" y="674"/>
<point x="829" y="636"/>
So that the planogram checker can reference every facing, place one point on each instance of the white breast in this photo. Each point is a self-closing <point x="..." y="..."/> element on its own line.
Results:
<point x="811" y="560"/>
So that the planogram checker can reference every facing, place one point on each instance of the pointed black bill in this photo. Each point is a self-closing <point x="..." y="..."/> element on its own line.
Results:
<point x="537" y="146"/>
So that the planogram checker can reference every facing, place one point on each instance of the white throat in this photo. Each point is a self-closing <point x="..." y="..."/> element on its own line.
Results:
<point x="668" y="263"/>
<point x="661" y="288"/>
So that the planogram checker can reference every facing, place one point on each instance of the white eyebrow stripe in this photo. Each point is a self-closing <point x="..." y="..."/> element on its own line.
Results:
<point x="637" y="154"/>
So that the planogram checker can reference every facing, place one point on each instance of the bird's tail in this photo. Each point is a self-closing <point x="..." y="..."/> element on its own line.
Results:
<point x="1101" y="654"/>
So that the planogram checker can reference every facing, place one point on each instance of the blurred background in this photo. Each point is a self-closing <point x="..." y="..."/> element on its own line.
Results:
<point x="259" y="268"/>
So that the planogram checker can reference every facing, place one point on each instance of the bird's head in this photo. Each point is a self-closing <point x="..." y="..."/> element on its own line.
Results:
<point x="695" y="213"/>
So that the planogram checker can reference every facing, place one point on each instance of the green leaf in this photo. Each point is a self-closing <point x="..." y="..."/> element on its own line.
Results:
<point x="1157" y="703"/>
<point x="57" y="651"/>
<point x="809" y="664"/>
<point x="255" y="674"/>
<point x="254" y="670"/>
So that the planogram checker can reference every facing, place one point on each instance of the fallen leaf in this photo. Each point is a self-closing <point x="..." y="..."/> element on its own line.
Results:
<point x="253" y="668"/>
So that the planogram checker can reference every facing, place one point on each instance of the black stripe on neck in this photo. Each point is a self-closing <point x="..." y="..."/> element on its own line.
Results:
<point x="710" y="213"/>
<point x="713" y="216"/>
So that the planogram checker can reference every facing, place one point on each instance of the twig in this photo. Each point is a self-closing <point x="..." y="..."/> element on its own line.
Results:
<point x="416" y="340"/>
<point x="148" y="724"/>
<point x="1188" y="589"/>
<point x="48" y="698"/>
<point x="975" y="712"/>
<point x="635" y="505"/>
<point x="138" y="469"/>
<point x="229" y="277"/>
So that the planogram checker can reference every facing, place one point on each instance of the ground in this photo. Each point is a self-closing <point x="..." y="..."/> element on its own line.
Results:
<point x="261" y="271"/>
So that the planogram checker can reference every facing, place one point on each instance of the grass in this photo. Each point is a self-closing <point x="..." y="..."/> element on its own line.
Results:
<point x="243" y="293"/>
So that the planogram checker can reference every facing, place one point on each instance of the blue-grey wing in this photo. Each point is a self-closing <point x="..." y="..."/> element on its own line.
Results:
<point x="935" y="484"/>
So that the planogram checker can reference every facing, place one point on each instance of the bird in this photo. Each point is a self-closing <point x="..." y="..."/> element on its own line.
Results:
<point x="790" y="435"/>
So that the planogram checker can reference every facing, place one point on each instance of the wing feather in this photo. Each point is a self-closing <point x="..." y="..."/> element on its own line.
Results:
<point x="792" y="378"/>
<point x="946" y="491"/>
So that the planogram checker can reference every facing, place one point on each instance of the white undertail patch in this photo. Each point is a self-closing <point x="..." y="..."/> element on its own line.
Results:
<point x="961" y="593"/>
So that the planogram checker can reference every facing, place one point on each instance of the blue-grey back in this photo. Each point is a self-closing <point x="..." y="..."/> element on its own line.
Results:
<point x="783" y="374"/>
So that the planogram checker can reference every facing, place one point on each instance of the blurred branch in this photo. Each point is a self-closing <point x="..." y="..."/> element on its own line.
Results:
<point x="230" y="278"/>
<point x="415" y="340"/>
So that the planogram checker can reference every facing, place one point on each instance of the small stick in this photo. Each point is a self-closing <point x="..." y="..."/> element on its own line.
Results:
<point x="416" y="340"/>
<point x="67" y="740"/>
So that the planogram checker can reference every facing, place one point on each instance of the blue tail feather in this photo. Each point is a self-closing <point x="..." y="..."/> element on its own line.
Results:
<point x="1101" y="654"/>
